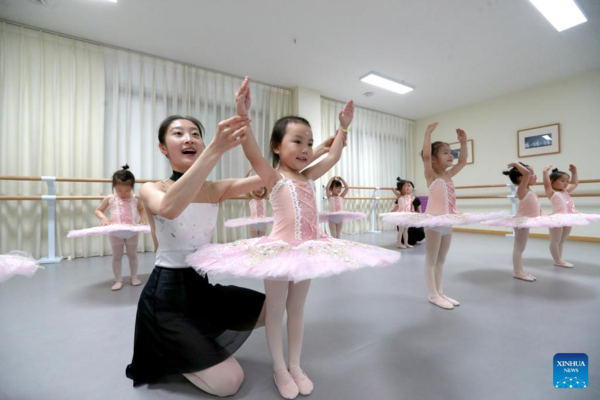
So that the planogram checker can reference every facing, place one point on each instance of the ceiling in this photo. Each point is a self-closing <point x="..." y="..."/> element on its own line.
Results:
<point x="454" y="52"/>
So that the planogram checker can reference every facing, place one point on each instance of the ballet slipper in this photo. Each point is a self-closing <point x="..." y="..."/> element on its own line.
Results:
<point x="289" y="390"/>
<point x="524" y="277"/>
<point x="409" y="246"/>
<point x="400" y="246"/>
<point x="450" y="300"/>
<point x="564" y="264"/>
<point x="305" y="385"/>
<point x="135" y="281"/>
<point x="440" y="302"/>
<point x="117" y="286"/>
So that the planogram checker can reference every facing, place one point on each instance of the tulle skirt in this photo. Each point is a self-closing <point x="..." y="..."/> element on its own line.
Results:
<point x="340" y="216"/>
<point x="419" y="220"/>
<point x="17" y="263"/>
<point x="265" y="258"/>
<point x="124" y="231"/>
<point x="252" y="222"/>
<point x="545" y="221"/>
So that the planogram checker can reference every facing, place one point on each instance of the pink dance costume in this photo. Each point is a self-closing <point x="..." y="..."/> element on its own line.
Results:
<point x="295" y="250"/>
<point x="530" y="215"/>
<point x="441" y="210"/>
<point x="122" y="220"/>
<point x="17" y="263"/>
<point x="336" y="213"/>
<point x="258" y="219"/>
<point x="562" y="203"/>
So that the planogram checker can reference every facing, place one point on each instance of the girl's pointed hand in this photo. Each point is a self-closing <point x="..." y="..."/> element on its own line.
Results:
<point x="572" y="168"/>
<point x="461" y="135"/>
<point x="430" y="128"/>
<point x="347" y="114"/>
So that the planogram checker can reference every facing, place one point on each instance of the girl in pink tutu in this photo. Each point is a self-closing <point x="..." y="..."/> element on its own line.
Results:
<point x="529" y="215"/>
<point x="337" y="189"/>
<point x="441" y="213"/>
<point x="123" y="205"/>
<point x="558" y="189"/>
<point x="295" y="251"/>
<point x="258" y="219"/>
<point x="405" y="204"/>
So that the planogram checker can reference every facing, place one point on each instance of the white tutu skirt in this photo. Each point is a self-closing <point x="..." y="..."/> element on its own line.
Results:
<point x="17" y="263"/>
<point x="265" y="258"/>
<point x="124" y="231"/>
<point x="419" y="220"/>
<point x="257" y="223"/>
<point x="545" y="221"/>
<point x="340" y="216"/>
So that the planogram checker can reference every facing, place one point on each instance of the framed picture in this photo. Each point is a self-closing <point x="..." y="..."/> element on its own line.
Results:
<point x="538" y="141"/>
<point x="455" y="148"/>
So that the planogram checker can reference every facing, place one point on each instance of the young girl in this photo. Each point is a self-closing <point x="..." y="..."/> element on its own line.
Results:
<point x="337" y="189"/>
<point x="295" y="251"/>
<point x="558" y="189"/>
<point x="404" y="203"/>
<point x="123" y="204"/>
<point x="258" y="219"/>
<point x="441" y="214"/>
<point x="529" y="215"/>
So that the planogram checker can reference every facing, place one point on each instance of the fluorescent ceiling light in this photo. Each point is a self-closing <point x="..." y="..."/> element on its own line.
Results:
<point x="547" y="137"/>
<point x="112" y="1"/>
<point x="386" y="83"/>
<point x="563" y="14"/>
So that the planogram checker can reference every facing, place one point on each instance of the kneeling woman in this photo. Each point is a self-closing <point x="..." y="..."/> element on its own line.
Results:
<point x="184" y="324"/>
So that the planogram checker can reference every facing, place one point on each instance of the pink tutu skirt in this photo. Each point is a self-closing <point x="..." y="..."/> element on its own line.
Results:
<point x="418" y="220"/>
<point x="123" y="231"/>
<point x="236" y="223"/>
<point x="340" y="216"/>
<point x="265" y="258"/>
<point x="545" y="221"/>
<point x="17" y="263"/>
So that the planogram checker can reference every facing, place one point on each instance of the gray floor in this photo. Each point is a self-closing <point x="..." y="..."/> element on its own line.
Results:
<point x="370" y="334"/>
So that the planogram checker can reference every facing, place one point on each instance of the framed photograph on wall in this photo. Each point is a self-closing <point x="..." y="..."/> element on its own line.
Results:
<point x="455" y="148"/>
<point x="538" y="141"/>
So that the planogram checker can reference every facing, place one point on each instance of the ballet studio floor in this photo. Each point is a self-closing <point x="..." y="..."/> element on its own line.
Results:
<point x="370" y="334"/>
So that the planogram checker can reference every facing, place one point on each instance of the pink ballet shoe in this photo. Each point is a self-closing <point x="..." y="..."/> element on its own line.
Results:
<point x="563" y="264"/>
<point x="524" y="277"/>
<point x="289" y="390"/>
<point x="440" y="302"/>
<point x="450" y="300"/>
<point x="305" y="385"/>
<point x="117" y="286"/>
<point x="135" y="281"/>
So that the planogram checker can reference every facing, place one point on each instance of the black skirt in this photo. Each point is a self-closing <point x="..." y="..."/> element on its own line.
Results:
<point x="184" y="324"/>
<point x="414" y="235"/>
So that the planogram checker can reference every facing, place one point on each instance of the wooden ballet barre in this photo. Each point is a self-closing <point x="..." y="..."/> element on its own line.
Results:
<point x="542" y="195"/>
<point x="503" y="186"/>
<point x="369" y="198"/>
<point x="89" y="180"/>
<point x="74" y="198"/>
<point x="370" y="187"/>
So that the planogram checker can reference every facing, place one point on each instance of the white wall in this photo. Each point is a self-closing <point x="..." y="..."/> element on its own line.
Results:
<point x="573" y="102"/>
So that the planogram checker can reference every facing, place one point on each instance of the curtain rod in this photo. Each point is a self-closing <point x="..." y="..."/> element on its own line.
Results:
<point x="110" y="46"/>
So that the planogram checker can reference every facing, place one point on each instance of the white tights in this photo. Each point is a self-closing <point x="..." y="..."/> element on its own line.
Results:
<point x="282" y="296"/>
<point x="336" y="229"/>
<point x="558" y="237"/>
<point x="436" y="249"/>
<point x="118" y="245"/>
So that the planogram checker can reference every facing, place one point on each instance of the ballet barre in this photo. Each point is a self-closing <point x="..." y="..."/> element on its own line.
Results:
<point x="51" y="198"/>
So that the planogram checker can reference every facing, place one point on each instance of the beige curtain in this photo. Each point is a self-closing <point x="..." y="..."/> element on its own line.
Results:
<point x="379" y="150"/>
<point x="51" y="123"/>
